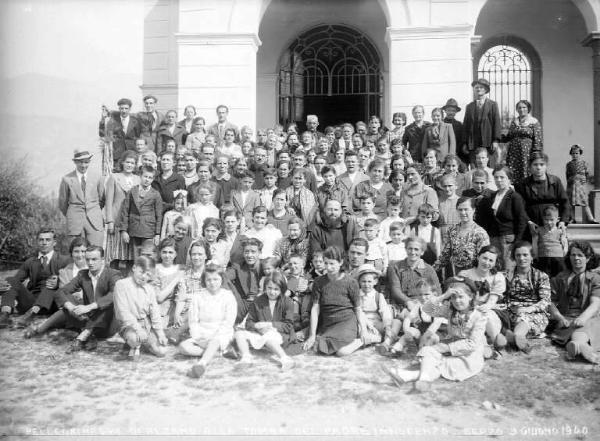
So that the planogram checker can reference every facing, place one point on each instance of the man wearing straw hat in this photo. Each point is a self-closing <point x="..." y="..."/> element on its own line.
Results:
<point x="81" y="198"/>
<point x="482" y="123"/>
<point x="451" y="109"/>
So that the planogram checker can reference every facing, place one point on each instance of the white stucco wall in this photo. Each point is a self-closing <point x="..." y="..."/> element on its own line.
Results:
<point x="555" y="28"/>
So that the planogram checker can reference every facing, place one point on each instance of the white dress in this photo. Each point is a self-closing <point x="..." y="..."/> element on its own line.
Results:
<point x="212" y="316"/>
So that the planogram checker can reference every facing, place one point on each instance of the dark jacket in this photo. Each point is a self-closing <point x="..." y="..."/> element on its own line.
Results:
<point x="123" y="138"/>
<point x="282" y="317"/>
<point x="102" y="295"/>
<point x="481" y="131"/>
<point x="539" y="195"/>
<point x="166" y="187"/>
<point x="560" y="291"/>
<point x="141" y="217"/>
<point x="340" y="234"/>
<point x="510" y="217"/>
<point x="35" y="274"/>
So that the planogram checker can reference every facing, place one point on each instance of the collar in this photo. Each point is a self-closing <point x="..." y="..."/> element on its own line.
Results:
<point x="420" y="264"/>
<point x="97" y="275"/>
<point x="79" y="175"/>
<point x="49" y="255"/>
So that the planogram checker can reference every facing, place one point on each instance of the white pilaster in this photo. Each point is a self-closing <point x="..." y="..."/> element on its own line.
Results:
<point x="219" y="68"/>
<point x="428" y="65"/>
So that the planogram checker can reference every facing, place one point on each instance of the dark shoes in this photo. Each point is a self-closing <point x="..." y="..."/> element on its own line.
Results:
<point x="75" y="346"/>
<point x="91" y="344"/>
<point x="31" y="331"/>
<point x="4" y="320"/>
<point x="25" y="320"/>
<point x="197" y="371"/>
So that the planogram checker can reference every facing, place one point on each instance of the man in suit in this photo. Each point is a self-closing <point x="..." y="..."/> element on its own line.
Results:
<point x="482" y="124"/>
<point x="352" y="175"/>
<point x="122" y="128"/>
<point x="150" y="122"/>
<point x="81" y="198"/>
<point x="218" y="128"/>
<point x="170" y="130"/>
<point x="95" y="314"/>
<point x="451" y="109"/>
<point x="40" y="270"/>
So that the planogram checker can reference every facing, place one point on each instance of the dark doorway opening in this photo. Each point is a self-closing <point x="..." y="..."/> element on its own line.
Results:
<point x="334" y="110"/>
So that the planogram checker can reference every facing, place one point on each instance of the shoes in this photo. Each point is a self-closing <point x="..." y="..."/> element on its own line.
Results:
<point x="135" y="355"/>
<point x="31" y="331"/>
<point x="25" y="320"/>
<point x="75" y="346"/>
<point x="197" y="370"/>
<point x="287" y="363"/>
<point x="230" y="353"/>
<point x="488" y="352"/>
<point x="383" y="350"/>
<point x="91" y="343"/>
<point x="500" y="342"/>
<point x="572" y="351"/>
<point x="398" y="381"/>
<point x="4" y="320"/>
<point x="521" y="343"/>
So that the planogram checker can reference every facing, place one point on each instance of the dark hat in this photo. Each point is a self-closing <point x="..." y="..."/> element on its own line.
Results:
<point x="124" y="101"/>
<point x="459" y="280"/>
<point x="485" y="83"/>
<point x="80" y="154"/>
<point x="452" y="103"/>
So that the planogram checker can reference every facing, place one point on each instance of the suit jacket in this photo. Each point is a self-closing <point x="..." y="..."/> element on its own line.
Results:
<point x="141" y="217"/>
<point x="282" y="317"/>
<point x="77" y="207"/>
<point x="166" y="187"/>
<point x="252" y="201"/>
<point x="489" y="125"/>
<point x="150" y="126"/>
<point x="165" y="135"/>
<point x="102" y="295"/>
<point x="214" y="130"/>
<point x="65" y="274"/>
<point x="510" y="217"/>
<point x="123" y="137"/>
<point x="444" y="144"/>
<point x="35" y="274"/>
<point x="345" y="180"/>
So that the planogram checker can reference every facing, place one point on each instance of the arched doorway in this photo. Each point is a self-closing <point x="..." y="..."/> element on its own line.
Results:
<point x="332" y="71"/>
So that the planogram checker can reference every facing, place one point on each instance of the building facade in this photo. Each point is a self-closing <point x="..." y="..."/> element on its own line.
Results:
<point x="275" y="61"/>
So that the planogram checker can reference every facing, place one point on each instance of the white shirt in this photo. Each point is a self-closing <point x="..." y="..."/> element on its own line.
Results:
<point x="94" y="280"/>
<point x="49" y="256"/>
<point x="498" y="199"/>
<point x="125" y="123"/>
<point x="81" y="175"/>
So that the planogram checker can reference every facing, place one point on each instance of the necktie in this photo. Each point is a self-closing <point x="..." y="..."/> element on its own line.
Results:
<point x="83" y="184"/>
<point x="44" y="260"/>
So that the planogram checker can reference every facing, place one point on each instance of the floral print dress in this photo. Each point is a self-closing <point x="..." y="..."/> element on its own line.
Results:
<point x="532" y="290"/>
<point x="522" y="140"/>
<point x="577" y="175"/>
<point x="461" y="247"/>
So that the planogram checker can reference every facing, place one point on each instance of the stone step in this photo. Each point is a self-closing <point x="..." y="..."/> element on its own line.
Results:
<point x="587" y="232"/>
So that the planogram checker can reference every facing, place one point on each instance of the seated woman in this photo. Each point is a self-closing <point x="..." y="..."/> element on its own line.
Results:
<point x="336" y="319"/>
<point x="270" y="322"/>
<point x="211" y="317"/>
<point x="296" y="242"/>
<point x="59" y="318"/>
<point x="137" y="311"/>
<point x="460" y="355"/>
<point x="528" y="298"/>
<point x="576" y="302"/>
<point x="491" y="285"/>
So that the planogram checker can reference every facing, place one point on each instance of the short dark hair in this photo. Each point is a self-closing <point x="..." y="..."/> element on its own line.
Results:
<point x="278" y="279"/>
<point x="333" y="253"/>
<point x="200" y="242"/>
<point x="212" y="222"/>
<point x="586" y="249"/>
<point x="147" y="169"/>
<point x="520" y="244"/>
<point x="252" y="242"/>
<point x="46" y="230"/>
<point x="150" y="97"/>
<point x="472" y="201"/>
<point x="505" y="169"/>
<point x="124" y="101"/>
<point x="527" y="103"/>
<point x="79" y="241"/>
<point x="212" y="268"/>
<point x="360" y="242"/>
<point x="92" y="248"/>
<point x="145" y="263"/>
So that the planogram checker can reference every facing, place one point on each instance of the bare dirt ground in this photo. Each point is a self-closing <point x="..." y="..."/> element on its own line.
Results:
<point x="45" y="392"/>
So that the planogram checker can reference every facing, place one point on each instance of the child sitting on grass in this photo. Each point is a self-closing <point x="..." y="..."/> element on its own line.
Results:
<point x="460" y="355"/>
<point x="378" y="314"/>
<point x="138" y="312"/>
<point x="212" y="314"/>
<point x="299" y="286"/>
<point x="270" y="323"/>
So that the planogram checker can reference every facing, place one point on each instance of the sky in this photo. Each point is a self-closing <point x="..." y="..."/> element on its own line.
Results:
<point x="61" y="60"/>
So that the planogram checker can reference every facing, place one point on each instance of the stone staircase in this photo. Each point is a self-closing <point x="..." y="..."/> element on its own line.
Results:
<point x="587" y="232"/>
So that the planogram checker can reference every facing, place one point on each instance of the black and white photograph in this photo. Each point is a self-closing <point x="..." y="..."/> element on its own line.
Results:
<point x="300" y="219"/>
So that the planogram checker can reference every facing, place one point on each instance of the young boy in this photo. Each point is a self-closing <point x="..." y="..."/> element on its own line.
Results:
<point x="317" y="265"/>
<point x="299" y="290"/>
<point x="377" y="250"/>
<point x="302" y="200"/>
<point x="383" y="149"/>
<point x="245" y="278"/>
<point x="448" y="213"/>
<point x="395" y="247"/>
<point x="367" y="205"/>
<point x="393" y="215"/>
<point x="141" y="213"/>
<point x="550" y="243"/>
<point x="245" y="199"/>
<point x="266" y="192"/>
<point x="430" y="234"/>
<point x="376" y="309"/>
<point x="331" y="189"/>
<point x="202" y="209"/>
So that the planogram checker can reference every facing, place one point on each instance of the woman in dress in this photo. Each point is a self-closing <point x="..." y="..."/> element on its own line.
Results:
<point x="576" y="304"/>
<point x="118" y="253"/>
<point x="541" y="189"/>
<point x="502" y="215"/>
<point x="431" y="169"/>
<point x="336" y="319"/>
<point x="524" y="137"/>
<point x="491" y="285"/>
<point x="463" y="241"/>
<point x="377" y="171"/>
<point x="439" y="135"/>
<point x="168" y="276"/>
<point x="528" y="298"/>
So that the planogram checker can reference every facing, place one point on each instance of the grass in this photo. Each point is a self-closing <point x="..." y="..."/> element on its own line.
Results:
<point x="42" y="385"/>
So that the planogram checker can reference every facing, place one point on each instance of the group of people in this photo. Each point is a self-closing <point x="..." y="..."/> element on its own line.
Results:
<point x="419" y="235"/>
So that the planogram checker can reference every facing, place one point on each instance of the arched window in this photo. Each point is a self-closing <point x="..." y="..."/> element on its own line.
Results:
<point x="513" y="69"/>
